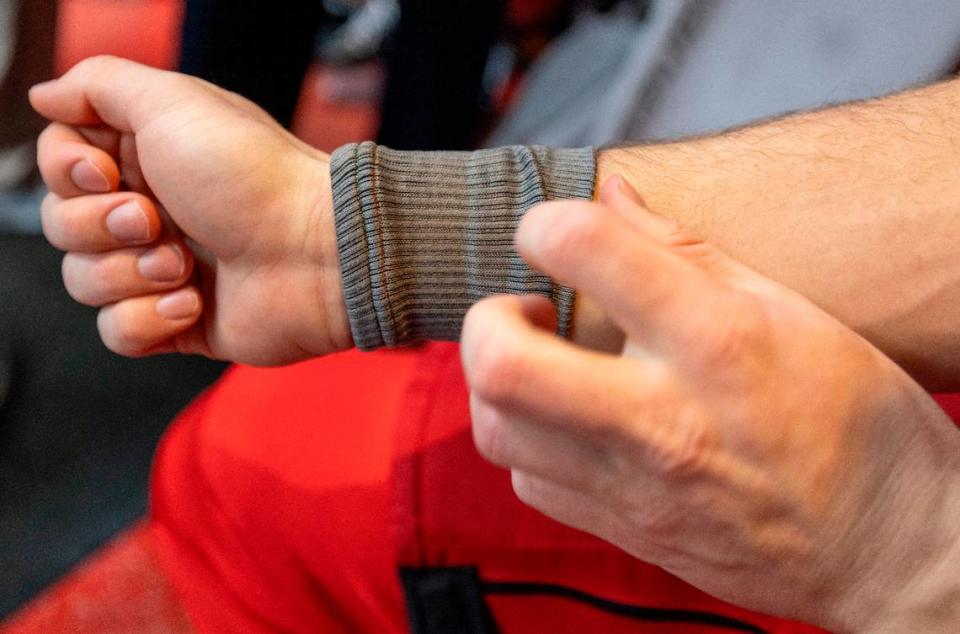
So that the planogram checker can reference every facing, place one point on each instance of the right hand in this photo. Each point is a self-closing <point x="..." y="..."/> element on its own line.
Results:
<point x="744" y="440"/>
<point x="192" y="218"/>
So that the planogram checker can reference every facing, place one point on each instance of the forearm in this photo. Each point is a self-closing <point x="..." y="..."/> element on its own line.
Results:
<point x="855" y="207"/>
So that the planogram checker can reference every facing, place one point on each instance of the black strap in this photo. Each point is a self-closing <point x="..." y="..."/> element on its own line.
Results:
<point x="637" y="612"/>
<point x="446" y="601"/>
<point x="451" y="600"/>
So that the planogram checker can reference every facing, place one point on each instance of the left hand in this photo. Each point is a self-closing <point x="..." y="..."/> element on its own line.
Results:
<point x="191" y="218"/>
<point x="745" y="440"/>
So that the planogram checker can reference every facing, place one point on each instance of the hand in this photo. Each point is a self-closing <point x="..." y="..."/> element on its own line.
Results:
<point x="195" y="220"/>
<point x="744" y="440"/>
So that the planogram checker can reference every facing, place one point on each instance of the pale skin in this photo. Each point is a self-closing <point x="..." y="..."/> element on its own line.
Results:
<point x="742" y="436"/>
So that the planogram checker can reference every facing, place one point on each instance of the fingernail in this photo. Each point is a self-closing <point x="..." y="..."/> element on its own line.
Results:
<point x="178" y="305"/>
<point x="162" y="264"/>
<point x="128" y="223"/>
<point x="88" y="177"/>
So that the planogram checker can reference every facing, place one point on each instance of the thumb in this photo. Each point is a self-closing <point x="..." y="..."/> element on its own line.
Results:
<point x="653" y="295"/>
<point x="105" y="90"/>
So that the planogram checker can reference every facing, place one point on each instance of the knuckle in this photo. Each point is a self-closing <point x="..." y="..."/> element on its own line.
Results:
<point x="107" y="330"/>
<point x="676" y="236"/>
<point x="739" y="333"/>
<point x="472" y="330"/>
<point x="120" y="332"/>
<point x="74" y="281"/>
<point x="43" y="143"/>
<point x="708" y="258"/>
<point x="49" y="202"/>
<point x="488" y="435"/>
<point x="695" y="251"/>
<point x="495" y="369"/>
<point x="179" y="81"/>
<point x="50" y="223"/>
<point x="101" y="63"/>
<point x="679" y="458"/>
<point x="680" y="449"/>
<point x="726" y="347"/>
<point x="526" y="489"/>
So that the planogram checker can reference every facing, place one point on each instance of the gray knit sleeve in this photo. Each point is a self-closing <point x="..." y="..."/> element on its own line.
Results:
<point x="423" y="235"/>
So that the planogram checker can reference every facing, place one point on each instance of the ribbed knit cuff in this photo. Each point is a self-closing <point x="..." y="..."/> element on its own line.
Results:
<point x="423" y="235"/>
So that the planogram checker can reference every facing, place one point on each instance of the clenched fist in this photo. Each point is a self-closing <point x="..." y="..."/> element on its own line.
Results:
<point x="192" y="218"/>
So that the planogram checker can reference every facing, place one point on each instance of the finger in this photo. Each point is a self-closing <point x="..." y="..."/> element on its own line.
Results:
<point x="120" y="147"/>
<point x="511" y="362"/>
<point x="655" y="296"/>
<point x="106" y="278"/>
<point x="71" y="166"/>
<point x="103" y="137"/>
<point x="92" y="224"/>
<point x="130" y="168"/>
<point x="616" y="403"/>
<point x="105" y="89"/>
<point x="562" y="455"/>
<point x="145" y="325"/>
<point x="123" y="148"/>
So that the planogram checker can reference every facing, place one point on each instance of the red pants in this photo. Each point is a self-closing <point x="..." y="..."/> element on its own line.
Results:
<point x="287" y="499"/>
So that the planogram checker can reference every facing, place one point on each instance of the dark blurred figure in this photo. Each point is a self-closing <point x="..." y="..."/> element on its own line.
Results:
<point x="258" y="48"/>
<point x="31" y="31"/>
<point x="433" y="97"/>
<point x="434" y="59"/>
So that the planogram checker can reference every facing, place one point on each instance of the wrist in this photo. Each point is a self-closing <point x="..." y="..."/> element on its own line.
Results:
<point x="909" y="562"/>
<point x="929" y="603"/>
<point x="331" y="289"/>
<point x="327" y="329"/>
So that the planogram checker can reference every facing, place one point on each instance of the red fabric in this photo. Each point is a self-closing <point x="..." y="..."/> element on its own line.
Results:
<point x="950" y="404"/>
<point x="119" y="588"/>
<point x="285" y="499"/>
<point x="147" y="31"/>
<point x="270" y="498"/>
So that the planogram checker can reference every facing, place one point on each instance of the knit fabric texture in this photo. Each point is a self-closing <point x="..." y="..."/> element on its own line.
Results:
<point x="422" y="236"/>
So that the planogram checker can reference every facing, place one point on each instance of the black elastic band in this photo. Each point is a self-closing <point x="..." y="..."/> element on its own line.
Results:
<point x="638" y="612"/>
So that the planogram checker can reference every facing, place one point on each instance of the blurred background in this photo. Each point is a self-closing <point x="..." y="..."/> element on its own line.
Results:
<point x="78" y="425"/>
